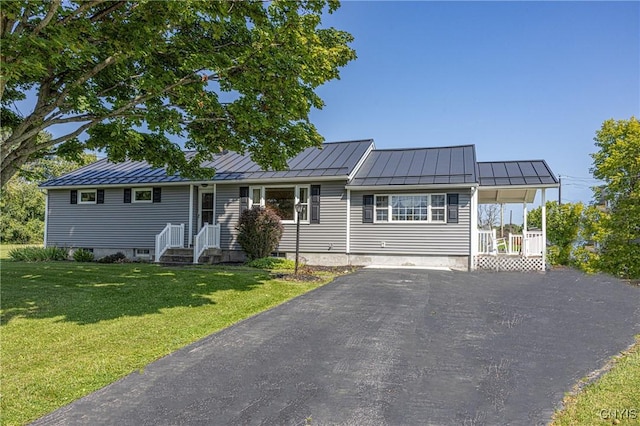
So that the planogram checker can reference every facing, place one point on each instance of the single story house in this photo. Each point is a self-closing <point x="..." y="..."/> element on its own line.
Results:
<point x="360" y="205"/>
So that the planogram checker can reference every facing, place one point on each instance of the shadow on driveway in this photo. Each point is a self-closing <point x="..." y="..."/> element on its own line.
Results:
<point x="387" y="347"/>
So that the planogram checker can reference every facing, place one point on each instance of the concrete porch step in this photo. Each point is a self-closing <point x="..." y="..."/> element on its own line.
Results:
<point x="184" y="256"/>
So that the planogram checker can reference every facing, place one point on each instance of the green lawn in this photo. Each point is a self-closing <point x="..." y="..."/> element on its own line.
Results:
<point x="613" y="399"/>
<point x="70" y="328"/>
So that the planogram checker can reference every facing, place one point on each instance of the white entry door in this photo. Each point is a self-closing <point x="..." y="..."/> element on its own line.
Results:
<point x="206" y="208"/>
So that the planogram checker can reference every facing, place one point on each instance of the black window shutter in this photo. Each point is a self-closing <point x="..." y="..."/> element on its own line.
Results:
<point x="244" y="198"/>
<point x="74" y="196"/>
<point x="367" y="209"/>
<point x="452" y="208"/>
<point x="100" y="196"/>
<point x="127" y="195"/>
<point x="157" y="194"/>
<point x="315" y="204"/>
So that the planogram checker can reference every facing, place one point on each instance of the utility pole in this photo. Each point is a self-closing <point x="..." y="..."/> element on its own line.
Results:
<point x="559" y="190"/>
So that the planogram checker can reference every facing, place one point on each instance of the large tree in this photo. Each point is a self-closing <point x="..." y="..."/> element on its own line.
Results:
<point x="124" y="76"/>
<point x="617" y="164"/>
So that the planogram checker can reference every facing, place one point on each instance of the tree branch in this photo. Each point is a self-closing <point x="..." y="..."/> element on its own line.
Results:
<point x="55" y="4"/>
<point x="101" y="14"/>
<point x="85" y="6"/>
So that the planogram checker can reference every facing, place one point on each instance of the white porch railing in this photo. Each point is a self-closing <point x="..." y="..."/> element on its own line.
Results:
<point x="533" y="243"/>
<point x="171" y="236"/>
<point x="514" y="244"/>
<point x="486" y="241"/>
<point x="208" y="237"/>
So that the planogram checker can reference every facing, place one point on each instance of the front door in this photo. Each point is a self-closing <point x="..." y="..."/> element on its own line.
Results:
<point x="206" y="208"/>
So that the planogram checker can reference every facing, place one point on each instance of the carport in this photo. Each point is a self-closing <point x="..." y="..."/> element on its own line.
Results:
<point x="511" y="182"/>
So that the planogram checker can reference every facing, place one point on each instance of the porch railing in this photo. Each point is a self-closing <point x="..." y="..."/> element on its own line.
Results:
<point x="171" y="236"/>
<point x="208" y="237"/>
<point x="527" y="244"/>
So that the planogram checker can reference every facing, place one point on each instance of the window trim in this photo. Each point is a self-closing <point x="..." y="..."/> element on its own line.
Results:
<point x="86" y="191"/>
<point x="390" y="208"/>
<point x="145" y="189"/>
<point x="296" y="189"/>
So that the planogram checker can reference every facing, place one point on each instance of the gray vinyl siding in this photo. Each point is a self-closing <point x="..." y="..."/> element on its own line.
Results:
<point x="328" y="236"/>
<point x="227" y="215"/>
<point x="440" y="239"/>
<point x="114" y="224"/>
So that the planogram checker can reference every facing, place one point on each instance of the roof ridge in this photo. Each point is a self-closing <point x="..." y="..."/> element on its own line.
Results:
<point x="424" y="148"/>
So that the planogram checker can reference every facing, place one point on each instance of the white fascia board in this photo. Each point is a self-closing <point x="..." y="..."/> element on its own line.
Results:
<point x="362" y="160"/>
<point x="410" y="187"/>
<point x="537" y="186"/>
<point x="262" y="181"/>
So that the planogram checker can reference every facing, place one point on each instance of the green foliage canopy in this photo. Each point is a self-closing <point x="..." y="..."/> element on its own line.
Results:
<point x="237" y="75"/>
<point x="22" y="203"/>
<point x="617" y="164"/>
<point x="563" y="226"/>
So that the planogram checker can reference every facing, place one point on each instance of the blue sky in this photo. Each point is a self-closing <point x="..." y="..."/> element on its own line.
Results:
<point x="520" y="80"/>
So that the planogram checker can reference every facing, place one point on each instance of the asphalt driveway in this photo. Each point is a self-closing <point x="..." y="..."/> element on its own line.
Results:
<point x="397" y="347"/>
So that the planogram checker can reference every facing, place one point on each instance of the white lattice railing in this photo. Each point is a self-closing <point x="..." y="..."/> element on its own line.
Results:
<point x="208" y="237"/>
<point x="171" y="236"/>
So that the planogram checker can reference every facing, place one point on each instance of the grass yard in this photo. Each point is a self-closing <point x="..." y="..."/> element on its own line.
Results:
<point x="611" y="400"/>
<point x="70" y="328"/>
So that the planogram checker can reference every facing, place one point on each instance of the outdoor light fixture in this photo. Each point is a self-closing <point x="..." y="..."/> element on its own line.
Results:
<point x="298" y="211"/>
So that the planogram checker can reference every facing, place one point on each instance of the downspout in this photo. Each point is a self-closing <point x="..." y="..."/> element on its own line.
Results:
<point x="190" y="240"/>
<point x="348" y="249"/>
<point x="544" y="228"/>
<point x="46" y="215"/>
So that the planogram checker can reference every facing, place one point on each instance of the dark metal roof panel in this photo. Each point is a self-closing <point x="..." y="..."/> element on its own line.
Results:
<point x="506" y="173"/>
<point x="334" y="159"/>
<point x="419" y="166"/>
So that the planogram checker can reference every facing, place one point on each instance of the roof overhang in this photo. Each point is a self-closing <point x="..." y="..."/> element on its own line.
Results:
<point x="509" y="194"/>
<point x="262" y="181"/>
<point x="410" y="187"/>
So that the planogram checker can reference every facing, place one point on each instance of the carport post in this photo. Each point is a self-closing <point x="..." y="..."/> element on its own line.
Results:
<point x="543" y="199"/>
<point x="525" y="246"/>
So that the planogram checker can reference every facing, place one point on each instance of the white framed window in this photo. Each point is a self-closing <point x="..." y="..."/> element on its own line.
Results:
<point x="142" y="195"/>
<point x="382" y="208"/>
<point x="86" y="196"/>
<point x="420" y="208"/>
<point x="282" y="200"/>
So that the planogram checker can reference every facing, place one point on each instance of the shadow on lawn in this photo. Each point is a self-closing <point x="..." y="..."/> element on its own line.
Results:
<point x="86" y="294"/>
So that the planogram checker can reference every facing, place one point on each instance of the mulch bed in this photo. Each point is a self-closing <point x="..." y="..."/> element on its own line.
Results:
<point x="306" y="273"/>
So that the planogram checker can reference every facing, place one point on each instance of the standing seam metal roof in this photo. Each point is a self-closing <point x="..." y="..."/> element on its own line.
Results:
<point x="334" y="159"/>
<point x="508" y="173"/>
<point x="418" y="166"/>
